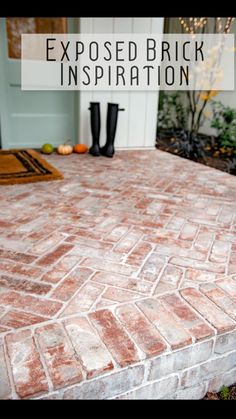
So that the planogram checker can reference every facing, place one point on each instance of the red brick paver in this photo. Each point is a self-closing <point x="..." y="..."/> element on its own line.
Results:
<point x="143" y="332"/>
<point x="63" y="367"/>
<point x="27" y="369"/>
<point x="206" y="308"/>
<point x="93" y="354"/>
<point x="124" y="261"/>
<point x="164" y="321"/>
<point x="115" y="337"/>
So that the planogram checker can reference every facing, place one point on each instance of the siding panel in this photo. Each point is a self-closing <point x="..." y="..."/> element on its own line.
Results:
<point x="137" y="125"/>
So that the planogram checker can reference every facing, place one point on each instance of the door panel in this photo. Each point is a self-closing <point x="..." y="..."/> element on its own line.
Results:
<point x="31" y="118"/>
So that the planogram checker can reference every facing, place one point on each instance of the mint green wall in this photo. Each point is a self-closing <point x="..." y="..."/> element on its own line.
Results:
<point x="29" y="119"/>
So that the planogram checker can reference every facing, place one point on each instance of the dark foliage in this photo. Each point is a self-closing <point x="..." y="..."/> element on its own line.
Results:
<point x="190" y="145"/>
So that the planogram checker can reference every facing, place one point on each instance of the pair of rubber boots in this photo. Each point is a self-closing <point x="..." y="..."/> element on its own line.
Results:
<point x="108" y="149"/>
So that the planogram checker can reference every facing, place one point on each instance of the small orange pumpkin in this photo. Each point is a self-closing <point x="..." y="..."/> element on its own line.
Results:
<point x="80" y="148"/>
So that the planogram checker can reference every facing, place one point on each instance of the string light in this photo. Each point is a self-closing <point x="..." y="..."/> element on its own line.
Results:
<point x="219" y="24"/>
<point x="192" y="25"/>
<point x="228" y="24"/>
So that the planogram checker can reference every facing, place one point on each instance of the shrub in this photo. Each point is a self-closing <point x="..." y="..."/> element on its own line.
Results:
<point x="224" y="392"/>
<point x="224" y="121"/>
<point x="172" y="113"/>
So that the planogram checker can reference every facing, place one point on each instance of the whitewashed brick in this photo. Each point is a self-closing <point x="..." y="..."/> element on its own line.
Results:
<point x="5" y="389"/>
<point x="168" y="364"/>
<point x="226" y="379"/>
<point x="154" y="391"/>
<point x="225" y="343"/>
<point x="109" y="386"/>
<point x="93" y="354"/>
<point x="216" y="366"/>
<point x="190" y="377"/>
<point x="193" y="393"/>
<point x="208" y="370"/>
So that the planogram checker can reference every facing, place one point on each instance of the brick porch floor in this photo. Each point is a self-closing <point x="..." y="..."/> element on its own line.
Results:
<point x="119" y="281"/>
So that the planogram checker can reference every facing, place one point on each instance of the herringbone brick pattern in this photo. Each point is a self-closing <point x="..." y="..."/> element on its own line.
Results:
<point x="122" y="260"/>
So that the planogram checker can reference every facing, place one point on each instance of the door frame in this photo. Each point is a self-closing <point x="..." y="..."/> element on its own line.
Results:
<point x="3" y="87"/>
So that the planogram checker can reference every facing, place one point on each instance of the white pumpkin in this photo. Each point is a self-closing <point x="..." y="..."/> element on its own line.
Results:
<point x="65" y="149"/>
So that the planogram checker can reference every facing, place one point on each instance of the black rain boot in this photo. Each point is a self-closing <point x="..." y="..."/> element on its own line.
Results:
<point x="112" y="114"/>
<point x="95" y="121"/>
